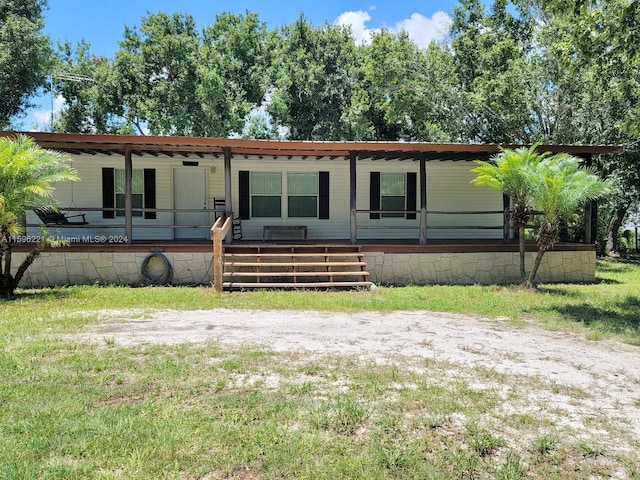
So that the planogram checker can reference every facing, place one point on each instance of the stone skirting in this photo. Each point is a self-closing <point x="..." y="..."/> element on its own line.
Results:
<point x="116" y="268"/>
<point x="194" y="268"/>
<point x="482" y="268"/>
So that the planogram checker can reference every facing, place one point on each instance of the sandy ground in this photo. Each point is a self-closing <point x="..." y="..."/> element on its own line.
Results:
<point x="608" y="370"/>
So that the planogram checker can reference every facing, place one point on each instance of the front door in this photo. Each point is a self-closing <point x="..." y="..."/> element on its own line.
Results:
<point x="190" y="192"/>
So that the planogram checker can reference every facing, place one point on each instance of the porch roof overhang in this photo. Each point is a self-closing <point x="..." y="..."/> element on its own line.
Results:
<point x="198" y="147"/>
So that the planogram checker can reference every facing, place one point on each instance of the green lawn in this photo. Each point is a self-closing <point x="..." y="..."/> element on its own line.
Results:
<point x="74" y="410"/>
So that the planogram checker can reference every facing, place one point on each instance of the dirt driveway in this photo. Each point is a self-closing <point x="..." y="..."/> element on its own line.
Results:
<point x="608" y="370"/>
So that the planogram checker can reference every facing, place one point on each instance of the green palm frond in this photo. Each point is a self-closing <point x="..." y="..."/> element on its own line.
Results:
<point x="28" y="174"/>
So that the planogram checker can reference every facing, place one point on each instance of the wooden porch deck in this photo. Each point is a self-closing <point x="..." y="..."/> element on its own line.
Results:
<point x="388" y="246"/>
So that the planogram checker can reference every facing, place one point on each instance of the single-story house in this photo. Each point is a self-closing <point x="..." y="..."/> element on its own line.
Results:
<point x="408" y="209"/>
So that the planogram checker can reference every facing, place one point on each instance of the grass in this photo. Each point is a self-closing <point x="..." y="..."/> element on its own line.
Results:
<point x="71" y="410"/>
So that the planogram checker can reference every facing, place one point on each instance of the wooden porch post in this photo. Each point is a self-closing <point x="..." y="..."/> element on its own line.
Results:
<point x="228" y="211"/>
<point x="506" y="229"/>
<point x="423" y="200"/>
<point x="227" y="182"/>
<point x="590" y="214"/>
<point x="352" y="196"/>
<point x="128" y="194"/>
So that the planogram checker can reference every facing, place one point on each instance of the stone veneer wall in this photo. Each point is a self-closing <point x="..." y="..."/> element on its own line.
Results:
<point x="482" y="268"/>
<point x="110" y="268"/>
<point x="76" y="268"/>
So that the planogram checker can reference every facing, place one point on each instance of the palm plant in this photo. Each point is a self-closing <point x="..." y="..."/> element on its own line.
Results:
<point x="27" y="173"/>
<point x="562" y="188"/>
<point x="514" y="172"/>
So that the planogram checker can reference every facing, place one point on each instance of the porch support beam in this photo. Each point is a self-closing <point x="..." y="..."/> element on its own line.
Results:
<point x="423" y="200"/>
<point x="590" y="213"/>
<point x="228" y="210"/>
<point x="227" y="182"/>
<point x="128" y="194"/>
<point x="353" y="155"/>
<point x="506" y="221"/>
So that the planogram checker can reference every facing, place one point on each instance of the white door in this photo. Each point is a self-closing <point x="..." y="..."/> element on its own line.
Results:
<point x="190" y="192"/>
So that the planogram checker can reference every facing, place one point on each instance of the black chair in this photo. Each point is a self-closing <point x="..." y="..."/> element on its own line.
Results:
<point x="51" y="217"/>
<point x="219" y="206"/>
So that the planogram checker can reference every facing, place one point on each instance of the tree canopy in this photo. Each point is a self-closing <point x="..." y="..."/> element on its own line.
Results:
<point x="24" y="55"/>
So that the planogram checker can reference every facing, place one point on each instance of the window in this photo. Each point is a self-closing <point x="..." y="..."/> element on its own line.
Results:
<point x="266" y="194"/>
<point x="393" y="192"/>
<point x="143" y="186"/>
<point x="137" y="190"/>
<point x="261" y="194"/>
<point x="302" y="194"/>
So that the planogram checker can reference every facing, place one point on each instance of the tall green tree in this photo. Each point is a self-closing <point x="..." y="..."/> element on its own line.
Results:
<point x="232" y="71"/>
<point x="155" y="74"/>
<point x="314" y="72"/>
<point x="27" y="174"/>
<point x="597" y="44"/>
<point x="85" y="82"/>
<point x="491" y="50"/>
<point x="409" y="89"/>
<point x="24" y="55"/>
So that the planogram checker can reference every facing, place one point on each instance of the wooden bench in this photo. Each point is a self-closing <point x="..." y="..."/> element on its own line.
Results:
<point x="276" y="228"/>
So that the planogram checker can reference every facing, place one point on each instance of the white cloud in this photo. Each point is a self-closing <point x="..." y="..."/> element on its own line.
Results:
<point x="357" y="21"/>
<point x="42" y="116"/>
<point x="422" y="30"/>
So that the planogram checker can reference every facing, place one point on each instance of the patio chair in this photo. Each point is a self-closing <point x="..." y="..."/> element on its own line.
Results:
<point x="51" y="217"/>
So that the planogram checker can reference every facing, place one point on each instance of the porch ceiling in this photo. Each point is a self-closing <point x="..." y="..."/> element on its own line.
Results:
<point x="198" y="147"/>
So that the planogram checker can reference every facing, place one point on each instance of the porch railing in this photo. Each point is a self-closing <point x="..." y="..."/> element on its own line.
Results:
<point x="423" y="226"/>
<point x="122" y="226"/>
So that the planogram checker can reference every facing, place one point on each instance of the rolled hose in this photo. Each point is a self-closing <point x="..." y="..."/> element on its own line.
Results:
<point x="163" y="277"/>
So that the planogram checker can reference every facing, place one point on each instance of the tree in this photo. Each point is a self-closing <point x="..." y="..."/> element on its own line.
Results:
<point x="24" y="55"/>
<point x="26" y="176"/>
<point x="491" y="51"/>
<point x="314" y="73"/>
<point x="514" y="173"/>
<point x="409" y="89"/>
<point x="598" y="45"/>
<point x="155" y="76"/>
<point x="561" y="187"/>
<point x="232" y="71"/>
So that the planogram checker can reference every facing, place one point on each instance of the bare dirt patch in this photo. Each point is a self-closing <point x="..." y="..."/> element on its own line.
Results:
<point x="587" y="379"/>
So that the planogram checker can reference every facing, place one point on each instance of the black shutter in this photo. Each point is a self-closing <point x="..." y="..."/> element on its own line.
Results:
<point x="243" y="191"/>
<point x="108" y="192"/>
<point x="323" y="195"/>
<point x="150" y="191"/>
<point x="411" y="194"/>
<point x="374" y="194"/>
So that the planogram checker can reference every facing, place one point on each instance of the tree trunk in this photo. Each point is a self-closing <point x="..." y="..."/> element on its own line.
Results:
<point x="613" y="229"/>
<point x="33" y="254"/>
<point x="530" y="283"/>
<point x="522" y="247"/>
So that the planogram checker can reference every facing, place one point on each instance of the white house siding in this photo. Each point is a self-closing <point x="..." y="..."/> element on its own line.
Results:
<point x="448" y="189"/>
<point x="335" y="227"/>
<point x="384" y="228"/>
<point x="87" y="193"/>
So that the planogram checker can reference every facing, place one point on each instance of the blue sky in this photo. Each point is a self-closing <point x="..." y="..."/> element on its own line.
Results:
<point x="102" y="23"/>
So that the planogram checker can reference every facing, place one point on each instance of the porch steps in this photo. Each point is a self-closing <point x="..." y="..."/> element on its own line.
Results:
<point x="294" y="266"/>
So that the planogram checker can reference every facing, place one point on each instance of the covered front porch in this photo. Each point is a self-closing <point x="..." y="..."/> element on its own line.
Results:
<point x="409" y="209"/>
